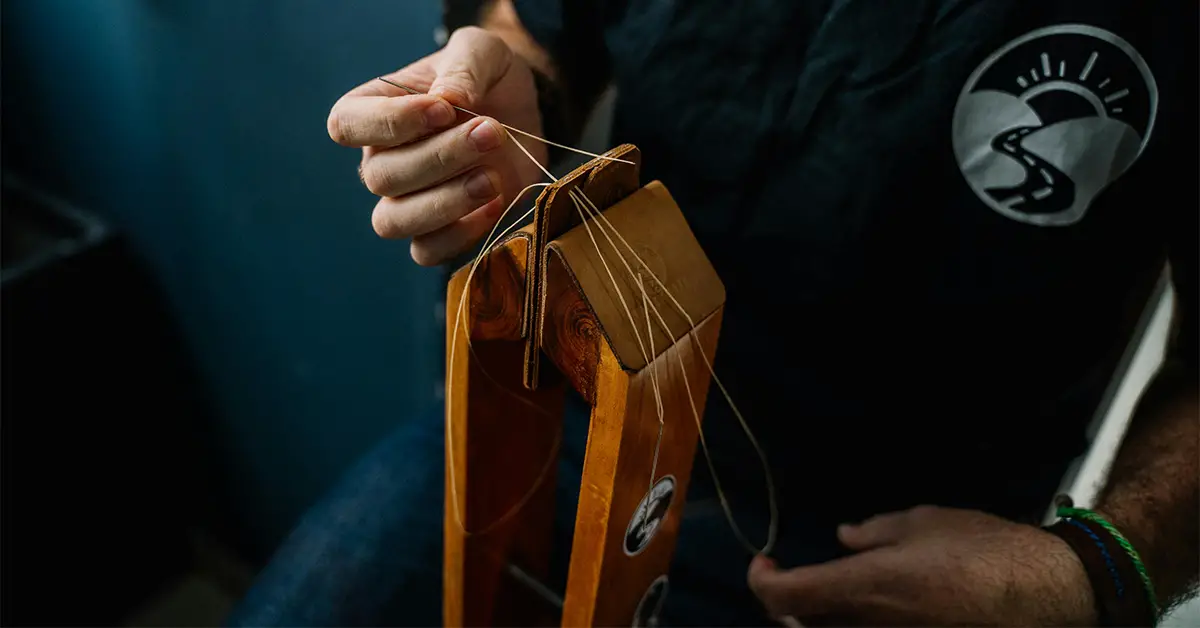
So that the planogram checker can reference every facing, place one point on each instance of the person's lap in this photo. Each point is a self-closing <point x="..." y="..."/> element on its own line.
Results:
<point x="371" y="551"/>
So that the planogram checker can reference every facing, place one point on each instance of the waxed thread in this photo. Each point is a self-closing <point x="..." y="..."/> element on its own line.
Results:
<point x="629" y="314"/>
<point x="510" y="128"/>
<point x="662" y="424"/>
<point x="771" y="498"/>
<point x="773" y="526"/>
<point x="489" y="243"/>
<point x="620" y="295"/>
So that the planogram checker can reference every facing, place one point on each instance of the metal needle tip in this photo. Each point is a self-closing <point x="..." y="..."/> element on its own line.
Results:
<point x="395" y="84"/>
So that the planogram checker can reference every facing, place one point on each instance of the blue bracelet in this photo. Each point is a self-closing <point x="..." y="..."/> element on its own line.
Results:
<point x="1108" y="559"/>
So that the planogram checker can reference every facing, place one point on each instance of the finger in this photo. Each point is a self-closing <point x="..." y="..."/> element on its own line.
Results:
<point x="438" y="246"/>
<point x="834" y="587"/>
<point x="416" y="166"/>
<point x="359" y="121"/>
<point x="471" y="63"/>
<point x="878" y="531"/>
<point x="434" y="208"/>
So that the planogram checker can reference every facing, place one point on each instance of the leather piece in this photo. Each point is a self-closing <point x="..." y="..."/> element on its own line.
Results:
<point x="554" y="214"/>
<point x="651" y="222"/>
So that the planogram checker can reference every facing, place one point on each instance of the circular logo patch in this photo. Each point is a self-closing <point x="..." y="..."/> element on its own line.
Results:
<point x="1050" y="119"/>
<point x="649" y="515"/>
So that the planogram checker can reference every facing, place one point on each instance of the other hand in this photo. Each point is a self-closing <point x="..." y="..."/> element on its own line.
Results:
<point x="444" y="177"/>
<point x="934" y="566"/>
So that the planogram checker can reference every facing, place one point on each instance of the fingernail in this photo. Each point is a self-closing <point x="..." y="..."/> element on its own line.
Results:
<point x="479" y="186"/>
<point x="485" y="137"/>
<point x="761" y="561"/>
<point x="438" y="114"/>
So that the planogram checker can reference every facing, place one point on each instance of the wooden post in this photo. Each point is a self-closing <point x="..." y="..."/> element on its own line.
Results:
<point x="560" y="289"/>
<point x="504" y="438"/>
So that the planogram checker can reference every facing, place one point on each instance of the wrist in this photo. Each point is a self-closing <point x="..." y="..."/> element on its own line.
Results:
<point x="1073" y="586"/>
<point x="1122" y="592"/>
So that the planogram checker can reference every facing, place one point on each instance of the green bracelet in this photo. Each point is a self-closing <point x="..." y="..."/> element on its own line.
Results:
<point x="1067" y="512"/>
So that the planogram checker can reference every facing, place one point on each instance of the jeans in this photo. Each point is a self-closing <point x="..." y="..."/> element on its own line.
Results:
<point x="370" y="553"/>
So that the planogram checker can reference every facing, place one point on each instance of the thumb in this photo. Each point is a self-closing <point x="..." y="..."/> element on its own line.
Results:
<point x="472" y="62"/>
<point x="878" y="531"/>
<point x="764" y="578"/>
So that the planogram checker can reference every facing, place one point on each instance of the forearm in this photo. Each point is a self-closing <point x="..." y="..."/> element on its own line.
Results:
<point x="1153" y="491"/>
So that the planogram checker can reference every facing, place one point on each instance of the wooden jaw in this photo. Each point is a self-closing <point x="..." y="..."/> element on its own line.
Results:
<point x="604" y="182"/>
<point x="499" y="436"/>
<point x="545" y="290"/>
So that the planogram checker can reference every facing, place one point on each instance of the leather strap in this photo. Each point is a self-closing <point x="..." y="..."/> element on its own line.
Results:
<point x="1116" y="585"/>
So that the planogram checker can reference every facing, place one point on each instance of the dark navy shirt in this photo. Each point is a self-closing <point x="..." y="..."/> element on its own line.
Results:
<point x="930" y="217"/>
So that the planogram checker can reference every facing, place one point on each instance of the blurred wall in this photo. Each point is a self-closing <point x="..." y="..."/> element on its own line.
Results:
<point x="198" y="128"/>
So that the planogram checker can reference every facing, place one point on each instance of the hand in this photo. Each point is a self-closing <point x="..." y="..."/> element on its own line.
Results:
<point x="444" y="177"/>
<point x="934" y="566"/>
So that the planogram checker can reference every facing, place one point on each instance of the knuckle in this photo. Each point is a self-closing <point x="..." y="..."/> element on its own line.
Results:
<point x="473" y="51"/>
<point x="372" y="182"/>
<point x="393" y="121"/>
<point x="495" y="48"/>
<point x="447" y="156"/>
<point x="382" y="224"/>
<point x="922" y="512"/>
<point x="422" y="254"/>
<point x="377" y="180"/>
<point x="336" y="126"/>
<point x="471" y="34"/>
<point x="460" y="76"/>
<point x="438" y="209"/>
<point x="399" y="118"/>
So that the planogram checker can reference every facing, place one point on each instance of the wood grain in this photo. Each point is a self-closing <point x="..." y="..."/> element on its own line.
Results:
<point x="554" y="214"/>
<point x="571" y="335"/>
<point x="654" y="226"/>
<point x="545" y="291"/>
<point x="502" y="436"/>
<point x="605" y="584"/>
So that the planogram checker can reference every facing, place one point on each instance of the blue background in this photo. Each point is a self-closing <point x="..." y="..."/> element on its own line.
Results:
<point x="198" y="128"/>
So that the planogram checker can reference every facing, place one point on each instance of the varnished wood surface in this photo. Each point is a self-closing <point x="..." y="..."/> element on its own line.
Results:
<point x="503" y="436"/>
<point x="571" y="335"/>
<point x="654" y="226"/>
<point x="605" y="584"/>
<point x="545" y="290"/>
<point x="554" y="214"/>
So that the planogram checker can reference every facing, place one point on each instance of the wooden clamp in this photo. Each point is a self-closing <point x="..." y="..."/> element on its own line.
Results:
<point x="546" y="290"/>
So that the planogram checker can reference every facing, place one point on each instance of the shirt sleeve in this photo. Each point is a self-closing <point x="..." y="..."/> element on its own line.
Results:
<point x="568" y="26"/>
<point x="1182" y="256"/>
<point x="1182" y="126"/>
<point x="573" y="33"/>
<point x="543" y="19"/>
